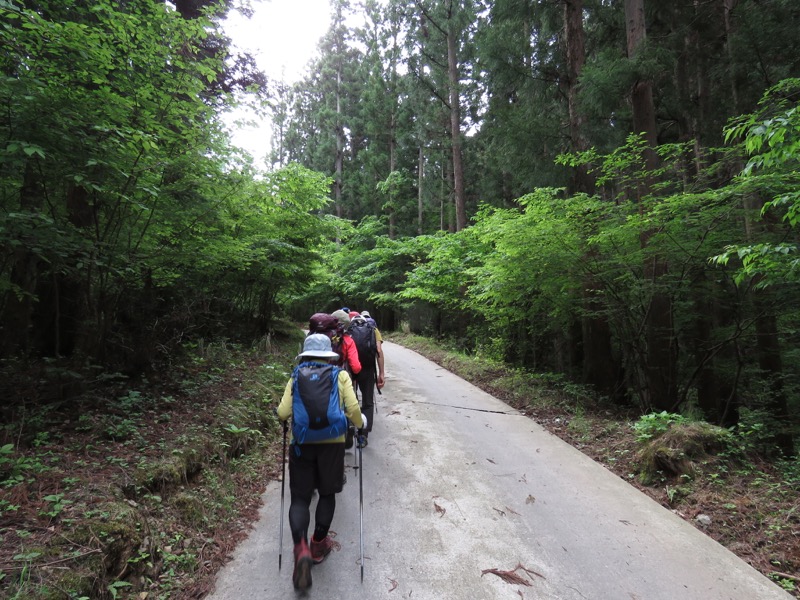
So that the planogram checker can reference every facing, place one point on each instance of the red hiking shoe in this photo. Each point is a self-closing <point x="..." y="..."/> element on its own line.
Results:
<point x="301" y="578"/>
<point x="319" y="550"/>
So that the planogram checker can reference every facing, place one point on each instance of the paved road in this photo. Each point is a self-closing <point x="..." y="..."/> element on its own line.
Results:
<point x="455" y="483"/>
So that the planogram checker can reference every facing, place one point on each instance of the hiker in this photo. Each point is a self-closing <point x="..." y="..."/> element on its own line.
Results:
<point x="370" y="353"/>
<point x="372" y="322"/>
<point x="378" y="339"/>
<point x="341" y="343"/>
<point x="320" y="401"/>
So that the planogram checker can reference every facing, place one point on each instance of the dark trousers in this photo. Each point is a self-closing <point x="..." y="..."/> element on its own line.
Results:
<point x="365" y="381"/>
<point x="320" y="467"/>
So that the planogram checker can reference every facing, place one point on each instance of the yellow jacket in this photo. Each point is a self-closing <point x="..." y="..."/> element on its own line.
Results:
<point x="347" y="400"/>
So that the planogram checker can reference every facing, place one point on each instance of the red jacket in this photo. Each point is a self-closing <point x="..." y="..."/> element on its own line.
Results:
<point x="349" y="353"/>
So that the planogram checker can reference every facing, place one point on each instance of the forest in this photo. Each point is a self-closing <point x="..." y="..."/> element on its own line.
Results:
<point x="603" y="191"/>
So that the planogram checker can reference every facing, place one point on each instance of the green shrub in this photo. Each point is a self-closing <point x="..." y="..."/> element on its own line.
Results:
<point x="654" y="424"/>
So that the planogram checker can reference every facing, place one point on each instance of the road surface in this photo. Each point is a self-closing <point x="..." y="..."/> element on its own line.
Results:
<point x="456" y="483"/>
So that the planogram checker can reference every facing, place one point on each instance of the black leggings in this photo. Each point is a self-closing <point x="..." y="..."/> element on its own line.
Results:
<point x="300" y="516"/>
<point x="366" y="383"/>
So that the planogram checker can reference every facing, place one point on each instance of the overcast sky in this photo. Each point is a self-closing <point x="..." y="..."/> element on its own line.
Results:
<point x="282" y="36"/>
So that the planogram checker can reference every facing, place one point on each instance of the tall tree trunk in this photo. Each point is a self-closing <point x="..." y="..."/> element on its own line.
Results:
<point x="420" y="180"/>
<point x="17" y="311"/>
<point x="455" y="128"/>
<point x="339" y="161"/>
<point x="72" y="292"/>
<point x="392" y="224"/>
<point x="690" y="84"/>
<point x="581" y="179"/>
<point x="599" y="368"/>
<point x="770" y="361"/>
<point x="442" y="203"/>
<point x="644" y="114"/>
<point x="451" y="199"/>
<point x="660" y="361"/>
<point x="716" y="395"/>
<point x="727" y="7"/>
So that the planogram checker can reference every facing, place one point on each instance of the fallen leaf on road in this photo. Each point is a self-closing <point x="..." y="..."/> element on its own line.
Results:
<point x="511" y="576"/>
<point x="529" y="572"/>
<point x="508" y="576"/>
<point x="530" y="499"/>
<point x="394" y="585"/>
<point x="439" y="509"/>
<point x="491" y="461"/>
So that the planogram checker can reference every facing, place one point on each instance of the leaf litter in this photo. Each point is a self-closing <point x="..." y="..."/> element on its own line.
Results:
<point x="512" y="576"/>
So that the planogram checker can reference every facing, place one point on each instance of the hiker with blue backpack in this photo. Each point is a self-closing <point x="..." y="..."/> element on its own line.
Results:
<point x="319" y="399"/>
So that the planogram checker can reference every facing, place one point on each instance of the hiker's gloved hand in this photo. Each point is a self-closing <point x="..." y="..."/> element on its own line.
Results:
<point x="364" y="419"/>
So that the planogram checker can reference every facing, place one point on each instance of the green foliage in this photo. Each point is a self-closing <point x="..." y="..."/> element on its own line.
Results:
<point x="652" y="425"/>
<point x="115" y="587"/>
<point x="772" y="139"/>
<point x="365" y="268"/>
<point x="56" y="503"/>
<point x="755" y="431"/>
<point x="440" y="272"/>
<point x="136" y="223"/>
<point x="16" y="468"/>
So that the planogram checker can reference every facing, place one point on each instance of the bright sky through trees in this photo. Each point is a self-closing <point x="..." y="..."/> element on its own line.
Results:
<point x="282" y="36"/>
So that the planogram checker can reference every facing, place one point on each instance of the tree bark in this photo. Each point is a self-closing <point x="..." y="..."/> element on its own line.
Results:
<point x="727" y="8"/>
<point x="644" y="115"/>
<point x="601" y="369"/>
<point x="770" y="361"/>
<point x="660" y="361"/>
<point x="17" y="312"/>
<point x="581" y="179"/>
<point x="455" y="129"/>
<point x="339" y="159"/>
<point x="420" y="181"/>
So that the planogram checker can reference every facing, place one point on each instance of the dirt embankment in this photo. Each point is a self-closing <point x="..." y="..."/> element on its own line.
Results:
<point x="142" y="492"/>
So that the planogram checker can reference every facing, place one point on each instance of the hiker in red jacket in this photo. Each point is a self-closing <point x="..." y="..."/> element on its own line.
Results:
<point x="334" y="327"/>
<point x="347" y="347"/>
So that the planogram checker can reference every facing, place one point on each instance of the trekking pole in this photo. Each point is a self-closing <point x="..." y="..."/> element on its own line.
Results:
<point x="361" y="501"/>
<point x="283" y="488"/>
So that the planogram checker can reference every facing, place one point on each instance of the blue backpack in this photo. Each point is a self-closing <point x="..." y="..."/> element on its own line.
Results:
<point x="316" y="412"/>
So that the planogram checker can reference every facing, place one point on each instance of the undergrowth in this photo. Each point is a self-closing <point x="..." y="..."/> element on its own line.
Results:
<point x="143" y="489"/>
